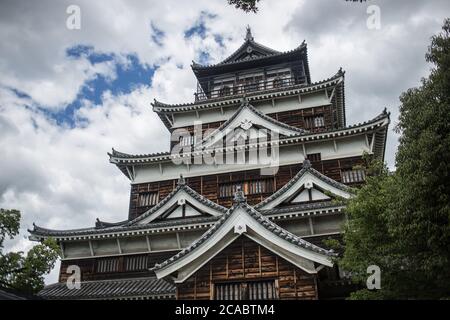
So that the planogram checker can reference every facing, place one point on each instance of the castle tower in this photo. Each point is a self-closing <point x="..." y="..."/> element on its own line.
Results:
<point x="238" y="208"/>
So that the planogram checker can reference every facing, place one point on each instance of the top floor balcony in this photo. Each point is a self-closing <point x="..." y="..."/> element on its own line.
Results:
<point x="239" y="87"/>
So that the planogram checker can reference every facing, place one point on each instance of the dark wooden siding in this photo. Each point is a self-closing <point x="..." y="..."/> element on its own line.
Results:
<point x="295" y="118"/>
<point x="208" y="185"/>
<point x="243" y="261"/>
<point x="90" y="267"/>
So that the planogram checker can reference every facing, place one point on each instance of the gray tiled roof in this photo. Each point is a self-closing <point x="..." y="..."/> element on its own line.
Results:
<point x="245" y="104"/>
<point x="39" y="231"/>
<point x="264" y="221"/>
<point x="131" y="225"/>
<point x="269" y="53"/>
<point x="191" y="192"/>
<point x="162" y="107"/>
<point x="150" y="287"/>
<point x="302" y="207"/>
<point x="306" y="168"/>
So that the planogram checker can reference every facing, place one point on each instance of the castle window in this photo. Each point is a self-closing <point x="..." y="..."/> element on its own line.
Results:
<point x="277" y="82"/>
<point x="136" y="263"/>
<point x="313" y="157"/>
<point x="252" y="290"/>
<point x="353" y="175"/>
<point x="108" y="265"/>
<point x="186" y="141"/>
<point x="317" y="121"/>
<point x="249" y="187"/>
<point x="148" y="199"/>
<point x="224" y="91"/>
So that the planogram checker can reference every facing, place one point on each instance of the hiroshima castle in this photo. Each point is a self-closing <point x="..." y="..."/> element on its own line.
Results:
<point x="242" y="204"/>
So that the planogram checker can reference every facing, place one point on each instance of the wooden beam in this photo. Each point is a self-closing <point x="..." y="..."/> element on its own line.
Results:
<point x="243" y="258"/>
<point x="195" y="286"/>
<point x="332" y="94"/>
<point x="259" y="256"/>
<point x="178" y="239"/>
<point x="149" y="247"/>
<point x="90" y="248"/>
<point x="130" y="174"/>
<point x="295" y="282"/>
<point x="226" y="267"/>
<point x="372" y="143"/>
<point x="211" y="284"/>
<point x="311" y="226"/>
<point x="61" y="246"/>
<point x="118" y="245"/>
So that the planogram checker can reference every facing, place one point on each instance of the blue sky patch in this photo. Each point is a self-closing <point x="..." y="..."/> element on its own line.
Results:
<point x="199" y="28"/>
<point x="128" y="77"/>
<point x="157" y="34"/>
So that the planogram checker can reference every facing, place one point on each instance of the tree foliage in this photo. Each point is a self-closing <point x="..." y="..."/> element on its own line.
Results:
<point x="245" y="5"/>
<point x="252" y="5"/>
<point x="400" y="221"/>
<point x="19" y="271"/>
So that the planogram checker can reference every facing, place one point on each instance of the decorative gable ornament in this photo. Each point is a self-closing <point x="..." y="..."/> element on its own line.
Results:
<point x="246" y="124"/>
<point x="240" y="228"/>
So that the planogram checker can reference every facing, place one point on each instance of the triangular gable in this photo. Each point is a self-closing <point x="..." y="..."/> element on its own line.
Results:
<point x="182" y="202"/>
<point x="250" y="49"/>
<point x="308" y="184"/>
<point x="243" y="220"/>
<point x="248" y="120"/>
<point x="308" y="195"/>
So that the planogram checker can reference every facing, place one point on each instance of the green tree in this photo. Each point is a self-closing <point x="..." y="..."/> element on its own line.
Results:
<point x="19" y="271"/>
<point x="252" y="5"/>
<point x="400" y="221"/>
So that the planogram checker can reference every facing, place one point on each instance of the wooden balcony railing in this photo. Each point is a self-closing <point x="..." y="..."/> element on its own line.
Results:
<point x="238" y="88"/>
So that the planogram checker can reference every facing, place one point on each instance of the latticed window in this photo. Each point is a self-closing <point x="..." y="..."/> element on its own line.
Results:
<point x="225" y="91"/>
<point x="148" y="199"/>
<point x="136" y="263"/>
<point x="314" y="121"/>
<point x="353" y="175"/>
<point x="314" y="157"/>
<point x="319" y="121"/>
<point x="186" y="141"/>
<point x="277" y="82"/>
<point x="108" y="265"/>
<point x="249" y="187"/>
<point x="254" y="290"/>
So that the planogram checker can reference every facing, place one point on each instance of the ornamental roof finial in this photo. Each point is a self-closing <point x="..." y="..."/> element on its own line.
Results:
<point x="244" y="99"/>
<point x="239" y="196"/>
<point x="306" y="164"/>
<point x="181" y="180"/>
<point x="248" y="35"/>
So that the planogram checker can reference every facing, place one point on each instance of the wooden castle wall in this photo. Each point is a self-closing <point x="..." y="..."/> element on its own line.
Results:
<point x="208" y="185"/>
<point x="244" y="261"/>
<point x="116" y="266"/>
<point x="295" y="118"/>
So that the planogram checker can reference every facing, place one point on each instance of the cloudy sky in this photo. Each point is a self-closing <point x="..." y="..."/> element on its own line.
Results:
<point x="68" y="96"/>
